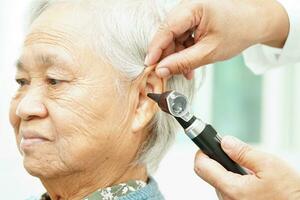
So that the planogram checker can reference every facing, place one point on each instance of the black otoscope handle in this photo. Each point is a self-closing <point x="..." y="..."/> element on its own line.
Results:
<point x="210" y="143"/>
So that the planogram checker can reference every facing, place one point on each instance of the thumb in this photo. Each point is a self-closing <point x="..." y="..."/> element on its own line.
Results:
<point x="243" y="154"/>
<point x="183" y="62"/>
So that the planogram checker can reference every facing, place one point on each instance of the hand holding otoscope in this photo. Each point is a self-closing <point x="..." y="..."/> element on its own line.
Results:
<point x="203" y="135"/>
<point x="196" y="33"/>
<point x="272" y="179"/>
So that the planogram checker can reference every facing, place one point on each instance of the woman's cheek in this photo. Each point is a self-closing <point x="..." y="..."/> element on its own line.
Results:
<point x="13" y="118"/>
<point x="15" y="121"/>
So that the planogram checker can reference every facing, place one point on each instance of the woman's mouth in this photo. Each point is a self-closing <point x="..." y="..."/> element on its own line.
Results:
<point x="31" y="138"/>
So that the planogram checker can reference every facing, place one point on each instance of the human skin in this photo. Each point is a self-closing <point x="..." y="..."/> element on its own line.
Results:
<point x="269" y="177"/>
<point x="76" y="130"/>
<point x="200" y="32"/>
<point x="223" y="29"/>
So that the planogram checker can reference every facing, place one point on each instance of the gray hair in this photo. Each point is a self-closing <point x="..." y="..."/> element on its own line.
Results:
<point x="129" y="26"/>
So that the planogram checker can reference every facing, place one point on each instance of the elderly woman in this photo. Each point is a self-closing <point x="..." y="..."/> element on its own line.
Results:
<point x="81" y="115"/>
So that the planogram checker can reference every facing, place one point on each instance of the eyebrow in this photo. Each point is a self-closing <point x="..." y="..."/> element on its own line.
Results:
<point x="43" y="60"/>
<point x="20" y="65"/>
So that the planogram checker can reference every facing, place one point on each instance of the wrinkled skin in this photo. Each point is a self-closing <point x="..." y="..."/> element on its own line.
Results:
<point x="69" y="97"/>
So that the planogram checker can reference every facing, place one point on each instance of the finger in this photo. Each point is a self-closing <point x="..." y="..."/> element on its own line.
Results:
<point x="200" y="30"/>
<point x="169" y="50"/>
<point x="179" y="20"/>
<point x="244" y="154"/>
<point x="184" y="61"/>
<point x="190" y="75"/>
<point x="212" y="172"/>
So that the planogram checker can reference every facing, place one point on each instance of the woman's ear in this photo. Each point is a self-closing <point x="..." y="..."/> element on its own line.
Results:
<point x="145" y="108"/>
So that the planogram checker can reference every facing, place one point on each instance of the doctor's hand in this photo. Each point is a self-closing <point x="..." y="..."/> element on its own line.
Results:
<point x="200" y="32"/>
<point x="270" y="178"/>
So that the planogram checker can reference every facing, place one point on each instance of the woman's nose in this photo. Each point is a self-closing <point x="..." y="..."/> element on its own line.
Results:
<point x="31" y="106"/>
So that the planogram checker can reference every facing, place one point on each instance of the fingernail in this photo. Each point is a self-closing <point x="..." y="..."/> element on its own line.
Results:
<point x="230" y="142"/>
<point x="163" y="72"/>
<point x="147" y="63"/>
<point x="149" y="59"/>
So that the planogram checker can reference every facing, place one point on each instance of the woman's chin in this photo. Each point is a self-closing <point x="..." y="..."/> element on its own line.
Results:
<point x="39" y="168"/>
<point x="34" y="167"/>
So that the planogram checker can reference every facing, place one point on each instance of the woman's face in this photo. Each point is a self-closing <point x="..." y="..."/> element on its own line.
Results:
<point x="68" y="114"/>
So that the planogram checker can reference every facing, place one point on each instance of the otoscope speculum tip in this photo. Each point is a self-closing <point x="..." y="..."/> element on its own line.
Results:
<point x="171" y="102"/>
<point x="154" y="97"/>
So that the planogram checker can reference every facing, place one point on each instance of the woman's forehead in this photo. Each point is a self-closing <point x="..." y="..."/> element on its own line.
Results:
<point x="43" y="59"/>
<point x="59" y="24"/>
<point x="71" y="29"/>
<point x="40" y="56"/>
<point x="59" y="34"/>
<point x="65" y="17"/>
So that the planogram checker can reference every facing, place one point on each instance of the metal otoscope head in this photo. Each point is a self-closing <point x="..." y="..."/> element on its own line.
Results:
<point x="174" y="103"/>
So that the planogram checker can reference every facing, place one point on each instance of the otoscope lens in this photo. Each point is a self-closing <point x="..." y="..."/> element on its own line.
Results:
<point x="179" y="105"/>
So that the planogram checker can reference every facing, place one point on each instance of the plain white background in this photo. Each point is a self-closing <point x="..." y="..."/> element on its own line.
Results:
<point x="175" y="175"/>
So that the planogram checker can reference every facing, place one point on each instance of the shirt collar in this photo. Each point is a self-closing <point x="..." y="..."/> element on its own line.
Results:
<point x="113" y="192"/>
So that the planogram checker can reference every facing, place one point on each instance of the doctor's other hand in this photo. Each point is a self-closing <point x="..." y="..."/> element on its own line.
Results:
<point x="200" y="32"/>
<point x="270" y="178"/>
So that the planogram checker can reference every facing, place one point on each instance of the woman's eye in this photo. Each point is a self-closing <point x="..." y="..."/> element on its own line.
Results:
<point x="22" y="82"/>
<point x="53" y="81"/>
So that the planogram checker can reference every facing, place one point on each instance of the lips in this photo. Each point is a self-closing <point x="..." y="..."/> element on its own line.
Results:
<point x="31" y="138"/>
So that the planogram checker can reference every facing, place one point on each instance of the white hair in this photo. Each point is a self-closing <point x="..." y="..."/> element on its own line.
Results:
<point x="129" y="26"/>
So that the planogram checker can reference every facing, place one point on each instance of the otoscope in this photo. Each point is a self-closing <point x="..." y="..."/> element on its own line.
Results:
<point x="202" y="134"/>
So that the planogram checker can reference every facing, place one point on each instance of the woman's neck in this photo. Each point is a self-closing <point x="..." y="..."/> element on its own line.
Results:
<point x="79" y="185"/>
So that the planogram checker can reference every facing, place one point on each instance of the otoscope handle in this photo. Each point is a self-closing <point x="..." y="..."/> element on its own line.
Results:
<point x="210" y="143"/>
